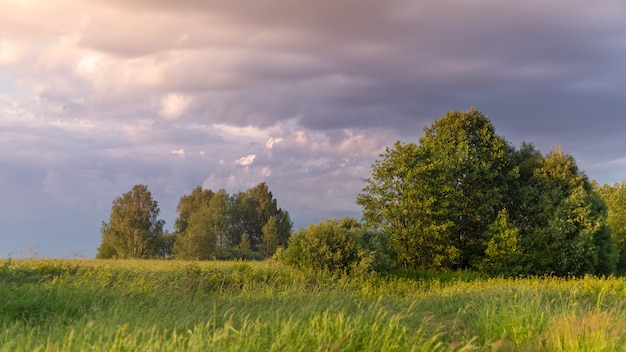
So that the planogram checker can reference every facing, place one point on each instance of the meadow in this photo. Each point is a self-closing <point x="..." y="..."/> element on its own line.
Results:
<point x="107" y="305"/>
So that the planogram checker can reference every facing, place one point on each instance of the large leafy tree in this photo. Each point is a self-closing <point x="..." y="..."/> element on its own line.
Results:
<point x="464" y="198"/>
<point x="134" y="229"/>
<point x="439" y="198"/>
<point x="567" y="233"/>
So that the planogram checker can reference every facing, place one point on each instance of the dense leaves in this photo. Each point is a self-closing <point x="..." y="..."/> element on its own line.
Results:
<point x="133" y="230"/>
<point x="218" y="225"/>
<point x="615" y="198"/>
<point x="464" y="198"/>
<point x="337" y="246"/>
<point x="210" y="225"/>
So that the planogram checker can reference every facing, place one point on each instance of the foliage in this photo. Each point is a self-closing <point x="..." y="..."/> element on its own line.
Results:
<point x="567" y="233"/>
<point x="615" y="198"/>
<point x="269" y="242"/>
<point x="133" y="230"/>
<point x="237" y="254"/>
<point x="199" y="241"/>
<point x="188" y="204"/>
<point x="165" y="244"/>
<point x="210" y="222"/>
<point x="439" y="198"/>
<point x="251" y="210"/>
<point x="464" y="198"/>
<point x="503" y="254"/>
<point x="337" y="246"/>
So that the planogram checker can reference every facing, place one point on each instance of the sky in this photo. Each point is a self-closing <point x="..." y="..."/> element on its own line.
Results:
<point x="98" y="96"/>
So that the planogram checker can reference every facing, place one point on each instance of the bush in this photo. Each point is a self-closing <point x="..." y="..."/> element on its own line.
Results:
<point x="337" y="246"/>
<point x="237" y="254"/>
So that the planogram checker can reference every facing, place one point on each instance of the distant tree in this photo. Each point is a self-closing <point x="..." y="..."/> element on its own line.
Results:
<point x="219" y="218"/>
<point x="244" y="245"/>
<point x="165" y="244"/>
<point x="133" y="229"/>
<point x="231" y="222"/>
<point x="199" y="241"/>
<point x="188" y="204"/>
<point x="615" y="198"/>
<point x="269" y="242"/>
<point x="251" y="210"/>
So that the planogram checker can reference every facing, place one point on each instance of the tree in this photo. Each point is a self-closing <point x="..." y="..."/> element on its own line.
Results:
<point x="251" y="210"/>
<point x="567" y="234"/>
<point x="231" y="222"/>
<point x="269" y="242"/>
<point x="615" y="199"/>
<point x="244" y="245"/>
<point x="503" y="254"/>
<point x="464" y="198"/>
<point x="199" y="241"/>
<point x="189" y="204"/>
<point x="133" y="228"/>
<point x="219" y="218"/>
<point x="165" y="244"/>
<point x="437" y="199"/>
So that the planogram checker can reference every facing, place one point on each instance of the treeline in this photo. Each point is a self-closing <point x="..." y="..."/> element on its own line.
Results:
<point x="462" y="197"/>
<point x="210" y="225"/>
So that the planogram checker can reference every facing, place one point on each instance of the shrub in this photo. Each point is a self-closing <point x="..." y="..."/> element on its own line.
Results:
<point x="337" y="246"/>
<point x="237" y="254"/>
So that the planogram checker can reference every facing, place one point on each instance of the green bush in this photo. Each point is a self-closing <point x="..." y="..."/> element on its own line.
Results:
<point x="237" y="254"/>
<point x="337" y="246"/>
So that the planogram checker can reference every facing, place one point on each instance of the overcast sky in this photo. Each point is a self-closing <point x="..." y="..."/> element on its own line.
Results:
<point x="97" y="96"/>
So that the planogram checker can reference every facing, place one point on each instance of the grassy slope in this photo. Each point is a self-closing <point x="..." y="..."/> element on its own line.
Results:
<point x="230" y="306"/>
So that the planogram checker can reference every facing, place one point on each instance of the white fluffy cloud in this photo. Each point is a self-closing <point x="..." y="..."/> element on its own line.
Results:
<point x="246" y="160"/>
<point x="173" y="105"/>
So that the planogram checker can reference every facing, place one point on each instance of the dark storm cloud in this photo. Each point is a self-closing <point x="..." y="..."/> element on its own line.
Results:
<point x="372" y="63"/>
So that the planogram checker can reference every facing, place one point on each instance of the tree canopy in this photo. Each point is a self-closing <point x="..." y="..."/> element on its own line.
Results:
<point x="212" y="222"/>
<point x="134" y="229"/>
<point x="615" y="198"/>
<point x="465" y="198"/>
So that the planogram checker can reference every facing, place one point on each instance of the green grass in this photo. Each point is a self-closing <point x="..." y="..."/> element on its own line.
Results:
<point x="91" y="305"/>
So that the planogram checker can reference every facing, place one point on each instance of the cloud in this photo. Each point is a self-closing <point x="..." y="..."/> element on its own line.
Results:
<point x="270" y="142"/>
<point x="180" y="152"/>
<point x="245" y="160"/>
<point x="174" y="105"/>
<point x="10" y="52"/>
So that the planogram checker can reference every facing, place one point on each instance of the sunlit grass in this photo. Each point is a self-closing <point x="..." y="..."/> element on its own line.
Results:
<point x="78" y="305"/>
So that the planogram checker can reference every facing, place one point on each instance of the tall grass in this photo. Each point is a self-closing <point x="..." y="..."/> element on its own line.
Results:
<point x="89" y="305"/>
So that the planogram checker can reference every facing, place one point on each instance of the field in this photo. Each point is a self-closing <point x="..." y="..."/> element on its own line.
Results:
<point x="90" y="305"/>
